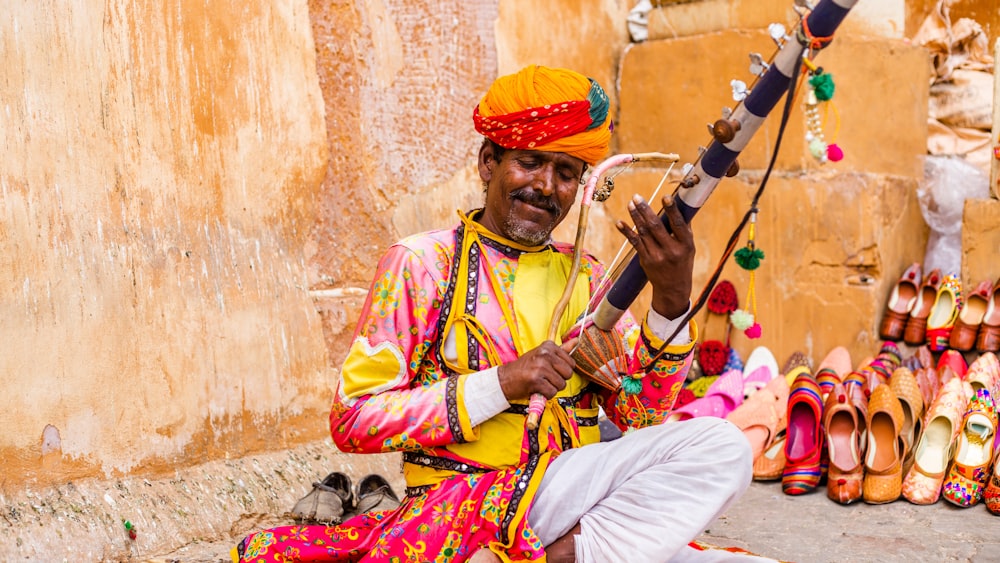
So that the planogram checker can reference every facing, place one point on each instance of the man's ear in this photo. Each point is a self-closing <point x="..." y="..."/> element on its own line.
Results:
<point x="487" y="160"/>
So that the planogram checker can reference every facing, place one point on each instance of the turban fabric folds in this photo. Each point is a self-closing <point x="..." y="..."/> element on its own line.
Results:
<point x="547" y="109"/>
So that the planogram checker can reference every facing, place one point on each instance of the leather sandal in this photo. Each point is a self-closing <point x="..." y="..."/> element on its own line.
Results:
<point x="901" y="301"/>
<point x="846" y="472"/>
<point x="991" y="496"/>
<point x="884" y="458"/>
<point x="904" y="384"/>
<point x="988" y="339"/>
<point x="915" y="332"/>
<point x="967" y="325"/>
<point x="327" y="502"/>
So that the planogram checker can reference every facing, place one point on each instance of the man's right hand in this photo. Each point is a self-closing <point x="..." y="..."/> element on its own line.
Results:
<point x="544" y="370"/>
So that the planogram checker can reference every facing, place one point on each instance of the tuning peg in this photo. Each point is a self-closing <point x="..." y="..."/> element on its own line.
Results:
<point x="724" y="130"/>
<point x="733" y="169"/>
<point x="690" y="181"/>
<point x="778" y="33"/>
<point x="757" y="65"/>
<point x="740" y="90"/>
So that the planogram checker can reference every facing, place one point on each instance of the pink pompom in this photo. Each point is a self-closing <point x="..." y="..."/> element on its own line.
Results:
<point x="754" y="331"/>
<point x="834" y="153"/>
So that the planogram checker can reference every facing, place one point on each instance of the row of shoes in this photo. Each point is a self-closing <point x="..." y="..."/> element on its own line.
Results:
<point x="931" y="310"/>
<point x="334" y="499"/>
<point x="889" y="429"/>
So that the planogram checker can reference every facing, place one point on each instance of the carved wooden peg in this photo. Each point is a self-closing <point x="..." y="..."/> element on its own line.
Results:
<point x="724" y="130"/>
<point x="690" y="181"/>
<point x="733" y="169"/>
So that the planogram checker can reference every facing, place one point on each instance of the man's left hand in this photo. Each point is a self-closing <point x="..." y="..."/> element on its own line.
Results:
<point x="667" y="257"/>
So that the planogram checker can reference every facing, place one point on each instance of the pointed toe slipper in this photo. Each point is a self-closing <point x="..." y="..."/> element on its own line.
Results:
<point x="761" y="416"/>
<point x="723" y="396"/>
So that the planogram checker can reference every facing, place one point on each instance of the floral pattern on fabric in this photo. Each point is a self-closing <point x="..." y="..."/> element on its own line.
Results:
<point x="468" y="487"/>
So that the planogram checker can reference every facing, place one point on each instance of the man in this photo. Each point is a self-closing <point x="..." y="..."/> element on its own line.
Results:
<point x="452" y="343"/>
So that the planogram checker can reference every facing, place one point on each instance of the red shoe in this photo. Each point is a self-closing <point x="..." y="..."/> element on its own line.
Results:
<point x="963" y="334"/>
<point x="901" y="301"/>
<point x="955" y="361"/>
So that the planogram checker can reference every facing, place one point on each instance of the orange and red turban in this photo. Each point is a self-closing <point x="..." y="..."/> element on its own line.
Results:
<point x="547" y="109"/>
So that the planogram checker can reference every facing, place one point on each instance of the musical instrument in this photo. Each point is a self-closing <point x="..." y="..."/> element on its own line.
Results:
<point x="730" y="135"/>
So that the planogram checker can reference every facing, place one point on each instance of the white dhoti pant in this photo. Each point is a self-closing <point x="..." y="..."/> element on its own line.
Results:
<point x="645" y="496"/>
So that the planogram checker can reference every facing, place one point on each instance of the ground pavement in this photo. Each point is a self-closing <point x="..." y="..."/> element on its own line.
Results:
<point x="806" y="529"/>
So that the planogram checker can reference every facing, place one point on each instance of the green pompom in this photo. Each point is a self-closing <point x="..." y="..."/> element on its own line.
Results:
<point x="631" y="385"/>
<point x="749" y="259"/>
<point x="823" y="86"/>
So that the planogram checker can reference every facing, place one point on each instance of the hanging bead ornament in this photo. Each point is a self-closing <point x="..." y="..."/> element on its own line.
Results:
<point x="749" y="258"/>
<point x="820" y="91"/>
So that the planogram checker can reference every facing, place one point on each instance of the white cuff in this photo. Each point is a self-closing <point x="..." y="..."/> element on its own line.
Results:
<point x="484" y="398"/>
<point x="663" y="327"/>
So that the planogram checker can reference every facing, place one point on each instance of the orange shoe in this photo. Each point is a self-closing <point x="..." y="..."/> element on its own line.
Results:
<point x="884" y="458"/>
<point x="968" y="472"/>
<point x="915" y="332"/>
<point x="900" y="303"/>
<point x="988" y="339"/>
<point x="904" y="385"/>
<point x="843" y="442"/>
<point x="922" y="484"/>
<point x="963" y="334"/>
<point x="762" y="415"/>
<point x="991" y="496"/>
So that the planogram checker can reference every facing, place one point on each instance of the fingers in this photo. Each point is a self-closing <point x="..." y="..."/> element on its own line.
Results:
<point x="678" y="226"/>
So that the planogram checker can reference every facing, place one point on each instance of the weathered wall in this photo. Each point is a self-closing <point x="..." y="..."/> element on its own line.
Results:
<point x="159" y="176"/>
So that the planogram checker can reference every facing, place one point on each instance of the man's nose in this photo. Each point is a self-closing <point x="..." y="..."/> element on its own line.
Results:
<point x="545" y="180"/>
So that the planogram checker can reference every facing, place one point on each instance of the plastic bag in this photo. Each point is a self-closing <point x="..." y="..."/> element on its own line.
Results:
<point x="948" y="182"/>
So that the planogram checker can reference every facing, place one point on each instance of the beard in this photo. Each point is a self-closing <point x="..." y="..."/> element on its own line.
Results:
<point x="526" y="232"/>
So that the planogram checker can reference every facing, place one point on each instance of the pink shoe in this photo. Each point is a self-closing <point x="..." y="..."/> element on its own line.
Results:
<point x="833" y="369"/>
<point x="984" y="373"/>
<point x="922" y="484"/>
<point x="762" y="415"/>
<point x="721" y="398"/>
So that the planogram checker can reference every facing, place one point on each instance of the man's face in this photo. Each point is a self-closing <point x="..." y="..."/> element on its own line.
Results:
<point x="528" y="193"/>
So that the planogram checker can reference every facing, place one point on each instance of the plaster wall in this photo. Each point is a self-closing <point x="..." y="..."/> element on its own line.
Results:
<point x="159" y="174"/>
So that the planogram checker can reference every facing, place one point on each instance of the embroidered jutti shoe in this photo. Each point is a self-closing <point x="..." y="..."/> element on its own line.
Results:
<point x="804" y="444"/>
<point x="922" y="484"/>
<point x="968" y="472"/>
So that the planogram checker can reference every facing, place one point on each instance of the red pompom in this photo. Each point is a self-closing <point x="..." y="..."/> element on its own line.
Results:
<point x="684" y="397"/>
<point x="723" y="298"/>
<point x="754" y="331"/>
<point x="713" y="355"/>
<point x="834" y="153"/>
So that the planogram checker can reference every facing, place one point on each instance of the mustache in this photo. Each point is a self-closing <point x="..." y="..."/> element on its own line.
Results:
<point x="531" y="197"/>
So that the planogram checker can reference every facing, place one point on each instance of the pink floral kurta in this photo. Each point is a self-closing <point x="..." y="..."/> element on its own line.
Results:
<point x="402" y="389"/>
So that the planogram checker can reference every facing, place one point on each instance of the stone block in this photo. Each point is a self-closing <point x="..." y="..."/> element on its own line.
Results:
<point x="834" y="244"/>
<point x="886" y="18"/>
<point x="671" y="89"/>
<point x="980" y="241"/>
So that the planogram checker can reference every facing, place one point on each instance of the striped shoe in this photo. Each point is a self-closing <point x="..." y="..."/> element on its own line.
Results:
<point x="804" y="442"/>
